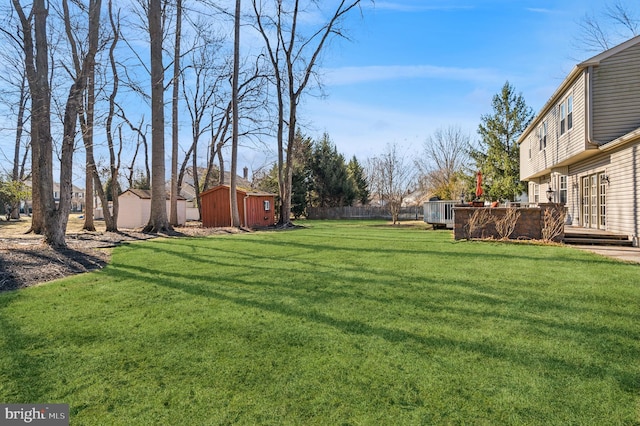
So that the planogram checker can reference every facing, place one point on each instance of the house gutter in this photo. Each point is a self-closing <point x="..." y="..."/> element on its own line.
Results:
<point x="622" y="140"/>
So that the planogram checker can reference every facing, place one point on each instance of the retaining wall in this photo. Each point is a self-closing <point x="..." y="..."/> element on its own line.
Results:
<point x="528" y="227"/>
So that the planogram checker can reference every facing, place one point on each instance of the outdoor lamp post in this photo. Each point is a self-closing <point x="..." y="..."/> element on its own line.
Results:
<point x="550" y="194"/>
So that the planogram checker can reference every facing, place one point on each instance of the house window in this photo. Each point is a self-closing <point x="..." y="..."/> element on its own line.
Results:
<point x="542" y="135"/>
<point x="570" y="112"/>
<point x="562" y="190"/>
<point x="267" y="205"/>
<point x="536" y="193"/>
<point x="566" y="115"/>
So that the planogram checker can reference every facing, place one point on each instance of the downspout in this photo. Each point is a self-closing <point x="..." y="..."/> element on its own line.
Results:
<point x="589" y="107"/>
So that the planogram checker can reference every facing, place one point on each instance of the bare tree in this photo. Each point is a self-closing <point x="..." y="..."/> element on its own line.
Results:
<point x="443" y="160"/>
<point x="235" y="215"/>
<point x="111" y="217"/>
<point x="33" y="28"/>
<point x="15" y="97"/>
<point x="600" y="31"/>
<point x="391" y="177"/>
<point x="293" y="56"/>
<point x="173" y="215"/>
<point x="200" y="99"/>
<point x="158" y="221"/>
<point x="49" y="218"/>
<point x="56" y="217"/>
<point x="87" y="120"/>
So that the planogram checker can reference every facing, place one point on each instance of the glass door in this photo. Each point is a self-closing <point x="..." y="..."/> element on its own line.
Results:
<point x="602" y="200"/>
<point x="594" y="201"/>
<point x="585" y="202"/>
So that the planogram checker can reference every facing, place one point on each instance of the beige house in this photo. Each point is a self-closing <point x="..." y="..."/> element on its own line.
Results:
<point x="78" y="197"/>
<point x="583" y="147"/>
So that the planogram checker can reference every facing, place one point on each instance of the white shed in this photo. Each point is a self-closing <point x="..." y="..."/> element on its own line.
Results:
<point x="135" y="208"/>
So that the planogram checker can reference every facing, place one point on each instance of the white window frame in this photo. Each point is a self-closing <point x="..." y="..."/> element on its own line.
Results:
<point x="569" y="112"/>
<point x="566" y="115"/>
<point x="563" y="189"/>
<point x="542" y="136"/>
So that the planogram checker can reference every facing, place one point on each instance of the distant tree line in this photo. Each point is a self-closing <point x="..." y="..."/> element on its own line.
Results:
<point x="321" y="177"/>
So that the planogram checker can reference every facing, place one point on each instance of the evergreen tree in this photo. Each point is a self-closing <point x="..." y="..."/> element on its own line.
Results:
<point x="301" y="174"/>
<point x="358" y="180"/>
<point x="332" y="186"/>
<point x="498" y="156"/>
<point x="108" y="190"/>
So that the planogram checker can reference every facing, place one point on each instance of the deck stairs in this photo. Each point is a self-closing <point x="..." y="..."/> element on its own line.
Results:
<point x="595" y="237"/>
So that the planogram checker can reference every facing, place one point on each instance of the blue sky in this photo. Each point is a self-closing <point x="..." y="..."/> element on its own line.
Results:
<point x="414" y="66"/>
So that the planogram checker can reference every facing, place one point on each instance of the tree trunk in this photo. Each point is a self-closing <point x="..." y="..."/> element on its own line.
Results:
<point x="173" y="216"/>
<point x="196" y="183"/>
<point x="37" y="70"/>
<point x="90" y="166"/>
<point x="158" y="219"/>
<point x="235" y="214"/>
<point x="16" y="174"/>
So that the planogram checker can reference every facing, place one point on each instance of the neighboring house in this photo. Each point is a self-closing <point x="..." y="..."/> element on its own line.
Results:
<point x="256" y="208"/>
<point x="134" y="208"/>
<point x="77" y="197"/>
<point x="584" y="145"/>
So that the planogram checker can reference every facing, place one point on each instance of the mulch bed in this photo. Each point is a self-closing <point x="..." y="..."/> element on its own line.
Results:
<point x="26" y="261"/>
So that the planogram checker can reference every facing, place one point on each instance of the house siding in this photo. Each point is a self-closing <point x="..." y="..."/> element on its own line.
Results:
<point x="623" y="195"/>
<point x="616" y="95"/>
<point x="604" y="140"/>
<point x="559" y="148"/>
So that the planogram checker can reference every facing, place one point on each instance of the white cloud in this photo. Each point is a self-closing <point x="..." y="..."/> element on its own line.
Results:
<point x="354" y="75"/>
<point x="541" y="10"/>
<point x="363" y="130"/>
<point x="400" y="6"/>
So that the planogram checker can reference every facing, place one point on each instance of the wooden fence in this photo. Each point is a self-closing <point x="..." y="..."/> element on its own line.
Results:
<point x="363" y="212"/>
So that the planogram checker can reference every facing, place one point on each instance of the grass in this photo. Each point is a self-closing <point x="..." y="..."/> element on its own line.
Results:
<point x="340" y="323"/>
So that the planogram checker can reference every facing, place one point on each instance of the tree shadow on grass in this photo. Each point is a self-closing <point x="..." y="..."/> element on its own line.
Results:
<point x="627" y="378"/>
<point x="24" y="375"/>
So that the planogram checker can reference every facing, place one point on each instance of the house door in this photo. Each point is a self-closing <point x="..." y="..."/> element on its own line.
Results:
<point x="594" y="201"/>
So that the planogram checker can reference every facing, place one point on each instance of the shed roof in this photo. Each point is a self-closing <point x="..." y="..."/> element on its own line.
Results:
<point x="246" y="191"/>
<point x="145" y="194"/>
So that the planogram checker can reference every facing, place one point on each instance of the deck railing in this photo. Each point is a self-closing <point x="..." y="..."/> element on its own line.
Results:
<point x="440" y="213"/>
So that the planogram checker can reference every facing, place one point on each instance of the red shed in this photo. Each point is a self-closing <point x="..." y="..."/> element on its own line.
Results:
<point x="256" y="208"/>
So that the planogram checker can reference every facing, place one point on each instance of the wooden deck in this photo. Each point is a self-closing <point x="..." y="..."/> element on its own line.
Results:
<point x="587" y="236"/>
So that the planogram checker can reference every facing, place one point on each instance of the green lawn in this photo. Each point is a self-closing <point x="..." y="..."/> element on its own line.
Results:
<point x="340" y="323"/>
